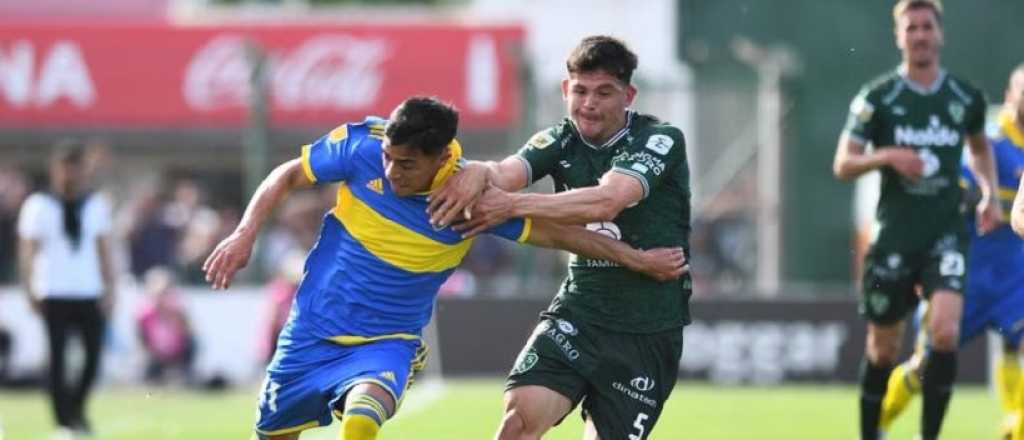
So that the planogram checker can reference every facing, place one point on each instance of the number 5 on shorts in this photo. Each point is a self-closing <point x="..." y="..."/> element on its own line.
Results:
<point x="639" y="425"/>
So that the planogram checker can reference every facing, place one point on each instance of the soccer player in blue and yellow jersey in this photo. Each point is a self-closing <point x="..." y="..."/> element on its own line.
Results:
<point x="995" y="278"/>
<point x="352" y="342"/>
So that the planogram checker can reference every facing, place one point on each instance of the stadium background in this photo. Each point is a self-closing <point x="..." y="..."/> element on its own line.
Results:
<point x="163" y="91"/>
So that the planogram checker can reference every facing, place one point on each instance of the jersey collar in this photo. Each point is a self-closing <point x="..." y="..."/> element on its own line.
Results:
<point x="1011" y="130"/>
<point x="934" y="87"/>
<point x="449" y="168"/>
<point x="612" y="140"/>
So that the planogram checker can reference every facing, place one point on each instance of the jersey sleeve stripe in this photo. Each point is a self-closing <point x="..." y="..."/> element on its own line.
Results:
<point x="637" y="176"/>
<point x="529" y="169"/>
<point x="527" y="227"/>
<point x="306" y="168"/>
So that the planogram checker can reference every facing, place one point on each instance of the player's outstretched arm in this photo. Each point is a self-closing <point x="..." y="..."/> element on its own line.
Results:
<point x="232" y="253"/>
<point x="615" y="192"/>
<point x="851" y="160"/>
<point x="982" y="163"/>
<point x="662" y="264"/>
<point x="454" y="200"/>
<point x="1017" y="214"/>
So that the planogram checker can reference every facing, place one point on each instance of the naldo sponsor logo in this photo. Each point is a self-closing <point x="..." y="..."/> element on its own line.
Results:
<point x="936" y="134"/>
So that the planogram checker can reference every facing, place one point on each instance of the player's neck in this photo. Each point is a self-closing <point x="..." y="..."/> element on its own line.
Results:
<point x="922" y="75"/>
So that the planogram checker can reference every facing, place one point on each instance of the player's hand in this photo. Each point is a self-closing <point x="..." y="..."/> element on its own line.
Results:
<point x="230" y="255"/>
<point x="492" y="208"/>
<point x="663" y="264"/>
<point x="457" y="196"/>
<point x="990" y="215"/>
<point x="906" y="162"/>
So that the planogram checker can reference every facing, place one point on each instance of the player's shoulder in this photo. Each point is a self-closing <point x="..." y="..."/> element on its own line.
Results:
<point x="962" y="87"/>
<point x="884" y="84"/>
<point x="644" y="128"/>
<point x="554" y="134"/>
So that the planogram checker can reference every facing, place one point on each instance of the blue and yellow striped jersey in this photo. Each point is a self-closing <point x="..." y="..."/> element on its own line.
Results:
<point x="377" y="266"/>
<point x="1008" y="148"/>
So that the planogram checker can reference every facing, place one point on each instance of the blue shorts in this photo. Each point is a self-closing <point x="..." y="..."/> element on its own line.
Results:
<point x="996" y="301"/>
<point x="308" y="378"/>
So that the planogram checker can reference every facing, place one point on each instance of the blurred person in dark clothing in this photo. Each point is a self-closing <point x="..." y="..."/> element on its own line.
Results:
<point x="13" y="190"/>
<point x="65" y="264"/>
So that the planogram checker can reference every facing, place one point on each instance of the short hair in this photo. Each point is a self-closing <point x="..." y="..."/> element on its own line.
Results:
<point x="423" y="122"/>
<point x="903" y="6"/>
<point x="602" y="53"/>
<point x="68" y="151"/>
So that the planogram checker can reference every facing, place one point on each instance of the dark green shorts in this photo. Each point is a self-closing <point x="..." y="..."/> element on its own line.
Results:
<point x="622" y="379"/>
<point x="890" y="278"/>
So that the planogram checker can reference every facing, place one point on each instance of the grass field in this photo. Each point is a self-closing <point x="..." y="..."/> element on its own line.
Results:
<point x="460" y="410"/>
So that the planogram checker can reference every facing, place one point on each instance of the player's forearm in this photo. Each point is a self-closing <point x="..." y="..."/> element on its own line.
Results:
<point x="578" y="206"/>
<point x="580" y="241"/>
<point x="1017" y="214"/>
<point x="508" y="175"/>
<point x="850" y="166"/>
<point x="982" y="163"/>
<point x="274" y="188"/>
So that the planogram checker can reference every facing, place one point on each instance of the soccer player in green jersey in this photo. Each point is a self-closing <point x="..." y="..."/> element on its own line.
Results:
<point x="917" y="119"/>
<point x="610" y="339"/>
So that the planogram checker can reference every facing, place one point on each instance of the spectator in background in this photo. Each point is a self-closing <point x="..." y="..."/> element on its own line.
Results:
<point x="164" y="328"/>
<point x="150" y="235"/>
<point x="199" y="226"/>
<point x="282" y="292"/>
<point x="298" y="222"/>
<point x="13" y="190"/>
<point x="64" y="250"/>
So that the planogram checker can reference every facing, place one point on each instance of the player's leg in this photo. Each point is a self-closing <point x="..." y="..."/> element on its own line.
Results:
<point x="637" y="374"/>
<point x="881" y="351"/>
<point x="530" y="411"/>
<point x="367" y="406"/>
<point x="546" y="381"/>
<point x="371" y="383"/>
<point x="888" y="296"/>
<point x="590" y="431"/>
<point x="940" y="364"/>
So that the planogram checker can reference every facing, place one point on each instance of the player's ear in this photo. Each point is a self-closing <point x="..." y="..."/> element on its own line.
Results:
<point x="630" y="94"/>
<point x="565" y="89"/>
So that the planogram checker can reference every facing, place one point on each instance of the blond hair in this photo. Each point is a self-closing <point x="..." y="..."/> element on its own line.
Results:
<point x="903" y="6"/>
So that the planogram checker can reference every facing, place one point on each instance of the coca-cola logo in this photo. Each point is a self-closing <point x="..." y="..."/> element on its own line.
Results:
<point x="325" y="72"/>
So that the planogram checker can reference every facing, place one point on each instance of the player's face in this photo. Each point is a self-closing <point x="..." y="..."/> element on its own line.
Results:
<point x="596" y="102"/>
<point x="919" y="36"/>
<point x="66" y="178"/>
<point x="409" y="170"/>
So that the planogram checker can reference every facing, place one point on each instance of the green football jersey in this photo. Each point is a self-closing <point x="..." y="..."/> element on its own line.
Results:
<point x="599" y="291"/>
<point x="892" y="111"/>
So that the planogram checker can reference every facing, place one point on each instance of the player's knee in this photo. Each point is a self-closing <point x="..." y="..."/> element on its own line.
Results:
<point x="945" y="335"/>
<point x="883" y="353"/>
<point x="363" y="416"/>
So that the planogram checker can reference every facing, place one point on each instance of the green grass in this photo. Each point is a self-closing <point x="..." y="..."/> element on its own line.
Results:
<point x="471" y="410"/>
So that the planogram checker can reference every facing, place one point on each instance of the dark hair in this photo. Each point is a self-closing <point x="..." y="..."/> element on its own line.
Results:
<point x="603" y="53"/>
<point x="424" y="123"/>
<point x="902" y="6"/>
<point x="68" y="151"/>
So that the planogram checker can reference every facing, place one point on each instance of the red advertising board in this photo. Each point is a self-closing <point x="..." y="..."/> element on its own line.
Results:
<point x="164" y="76"/>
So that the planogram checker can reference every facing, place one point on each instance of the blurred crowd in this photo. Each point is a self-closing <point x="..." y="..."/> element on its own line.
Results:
<point x="174" y="219"/>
